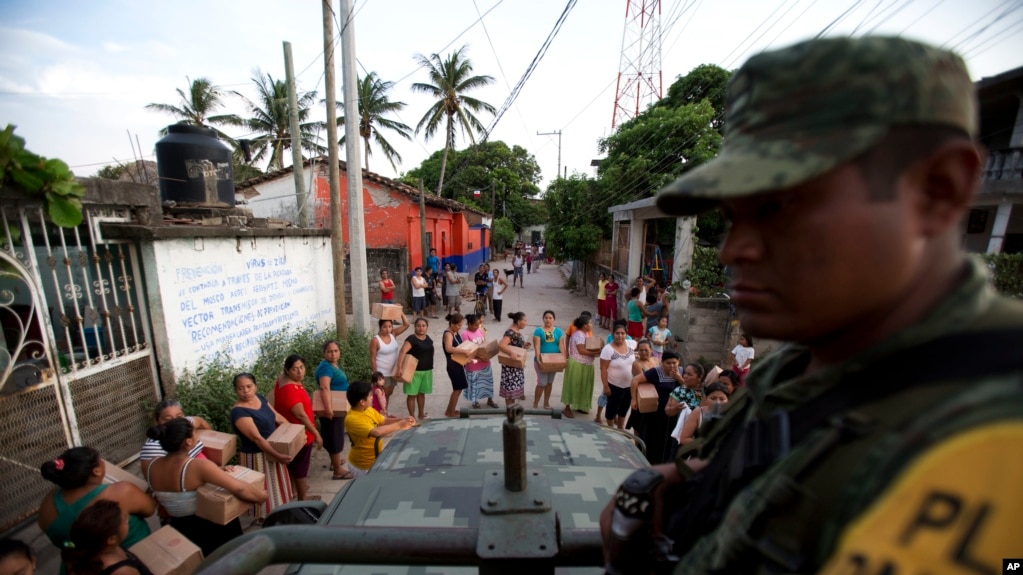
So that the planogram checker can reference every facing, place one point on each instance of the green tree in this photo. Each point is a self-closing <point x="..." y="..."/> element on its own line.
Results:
<point x="704" y="82"/>
<point x="678" y="133"/>
<point x="373" y="105"/>
<point x="270" y="123"/>
<point x="503" y="233"/>
<point x="196" y="106"/>
<point x="50" y="179"/>
<point x="450" y="79"/>
<point x="111" y="171"/>
<point x="571" y="232"/>
<point x="514" y="171"/>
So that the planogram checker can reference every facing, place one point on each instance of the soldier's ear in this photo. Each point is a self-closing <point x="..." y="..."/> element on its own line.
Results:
<point x="944" y="184"/>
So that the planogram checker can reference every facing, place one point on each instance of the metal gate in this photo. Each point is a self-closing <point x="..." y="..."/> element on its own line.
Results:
<point x="76" y="366"/>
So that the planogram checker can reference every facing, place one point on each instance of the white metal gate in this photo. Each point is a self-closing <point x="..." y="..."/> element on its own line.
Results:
<point x="76" y="366"/>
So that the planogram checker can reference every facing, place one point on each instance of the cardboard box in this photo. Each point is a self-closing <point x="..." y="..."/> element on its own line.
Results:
<point x="288" y="438"/>
<point x="552" y="363"/>
<point x="489" y="350"/>
<point x="647" y="396"/>
<point x="219" y="505"/>
<point x="516" y="359"/>
<point x="387" y="311"/>
<point x="407" y="370"/>
<point x="464" y="352"/>
<point x="167" y="552"/>
<point x="712" y="375"/>
<point x="216" y="446"/>
<point x="466" y="348"/>
<point x="338" y="402"/>
<point x="113" y="473"/>
<point x="594" y="343"/>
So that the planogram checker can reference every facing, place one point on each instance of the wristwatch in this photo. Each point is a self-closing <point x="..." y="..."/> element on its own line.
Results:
<point x="635" y="495"/>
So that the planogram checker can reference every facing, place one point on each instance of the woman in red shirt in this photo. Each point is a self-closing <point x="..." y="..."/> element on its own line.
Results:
<point x="292" y="401"/>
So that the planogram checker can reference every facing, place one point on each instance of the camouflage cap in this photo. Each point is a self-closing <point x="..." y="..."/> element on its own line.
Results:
<point x="795" y="113"/>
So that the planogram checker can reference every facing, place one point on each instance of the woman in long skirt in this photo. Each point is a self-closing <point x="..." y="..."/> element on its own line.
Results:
<point x="478" y="373"/>
<point x="254" y="420"/>
<point x="577" y="390"/>
<point x="513" y="379"/>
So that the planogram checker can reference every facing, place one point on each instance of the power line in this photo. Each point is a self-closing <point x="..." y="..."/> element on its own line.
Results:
<point x="501" y="68"/>
<point x="838" y="19"/>
<point x="996" y="19"/>
<point x="446" y="46"/>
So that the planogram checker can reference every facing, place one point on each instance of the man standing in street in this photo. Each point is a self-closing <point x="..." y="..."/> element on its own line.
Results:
<point x="887" y="436"/>
<point x="517" y="264"/>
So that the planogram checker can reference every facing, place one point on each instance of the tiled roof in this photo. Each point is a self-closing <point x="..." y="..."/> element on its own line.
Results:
<point x="429" y="198"/>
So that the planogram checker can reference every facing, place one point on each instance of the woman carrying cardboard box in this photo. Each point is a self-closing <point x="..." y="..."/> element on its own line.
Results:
<point x="513" y="378"/>
<point x="293" y="402"/>
<point x="175" y="478"/>
<point x="254" y="421"/>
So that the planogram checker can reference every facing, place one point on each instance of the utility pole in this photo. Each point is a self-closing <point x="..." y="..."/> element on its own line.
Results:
<point x="493" y="196"/>
<point x="296" y="139"/>
<point x="425" y="249"/>
<point x="356" y="226"/>
<point x="558" y="134"/>
<point x="337" y="247"/>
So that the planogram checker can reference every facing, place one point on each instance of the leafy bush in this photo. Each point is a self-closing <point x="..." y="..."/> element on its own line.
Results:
<point x="206" y="391"/>
<point x="706" y="275"/>
<point x="1006" y="273"/>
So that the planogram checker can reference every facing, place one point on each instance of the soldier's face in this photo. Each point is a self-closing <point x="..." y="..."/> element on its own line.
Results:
<point x="821" y="259"/>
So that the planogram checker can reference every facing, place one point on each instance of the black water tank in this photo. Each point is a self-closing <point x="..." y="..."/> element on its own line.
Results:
<point x="194" y="166"/>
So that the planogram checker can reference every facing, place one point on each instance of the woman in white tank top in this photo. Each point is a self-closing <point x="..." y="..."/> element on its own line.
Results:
<point x="383" y="351"/>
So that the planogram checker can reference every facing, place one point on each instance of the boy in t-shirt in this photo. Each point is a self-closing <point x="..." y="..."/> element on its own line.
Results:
<point x="365" y="424"/>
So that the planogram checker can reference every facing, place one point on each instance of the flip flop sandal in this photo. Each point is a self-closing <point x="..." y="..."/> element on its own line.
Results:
<point x="346" y="475"/>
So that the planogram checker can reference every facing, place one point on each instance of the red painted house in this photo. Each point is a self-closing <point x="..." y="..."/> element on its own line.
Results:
<point x="460" y="233"/>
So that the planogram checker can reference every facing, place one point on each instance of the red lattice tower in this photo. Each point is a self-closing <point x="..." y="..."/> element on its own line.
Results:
<point x="639" y="73"/>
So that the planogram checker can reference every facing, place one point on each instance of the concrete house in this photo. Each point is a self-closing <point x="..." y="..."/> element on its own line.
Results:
<point x="459" y="233"/>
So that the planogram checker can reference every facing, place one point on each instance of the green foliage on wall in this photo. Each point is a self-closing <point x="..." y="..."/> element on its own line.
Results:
<point x="706" y="275"/>
<point x="1006" y="273"/>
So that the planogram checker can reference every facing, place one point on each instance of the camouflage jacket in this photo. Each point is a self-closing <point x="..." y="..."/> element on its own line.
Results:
<point x="947" y="505"/>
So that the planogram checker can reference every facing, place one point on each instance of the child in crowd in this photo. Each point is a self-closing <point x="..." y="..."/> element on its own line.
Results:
<point x="743" y="354"/>
<point x="94" y="543"/>
<point x="16" y="558"/>
<point x="365" y="425"/>
<point x="660" y="336"/>
<point x="377" y="380"/>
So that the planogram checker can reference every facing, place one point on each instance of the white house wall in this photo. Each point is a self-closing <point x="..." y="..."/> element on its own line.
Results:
<point x="224" y="294"/>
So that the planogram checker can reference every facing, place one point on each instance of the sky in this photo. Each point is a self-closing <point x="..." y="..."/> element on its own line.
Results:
<point x="75" y="76"/>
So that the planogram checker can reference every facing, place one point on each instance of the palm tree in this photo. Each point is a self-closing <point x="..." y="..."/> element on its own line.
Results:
<point x="451" y="78"/>
<point x="373" y="104"/>
<point x="269" y="121"/>
<point x="195" y="107"/>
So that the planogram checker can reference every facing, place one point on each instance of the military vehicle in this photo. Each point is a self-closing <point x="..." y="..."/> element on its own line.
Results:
<point x="482" y="494"/>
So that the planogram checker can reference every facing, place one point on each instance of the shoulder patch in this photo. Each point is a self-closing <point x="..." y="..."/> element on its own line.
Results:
<point x="957" y="509"/>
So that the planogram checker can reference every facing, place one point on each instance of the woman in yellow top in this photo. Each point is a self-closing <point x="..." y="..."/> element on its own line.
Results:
<point x="364" y="425"/>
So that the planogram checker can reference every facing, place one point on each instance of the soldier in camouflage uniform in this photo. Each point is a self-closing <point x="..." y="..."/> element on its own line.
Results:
<point x="888" y="438"/>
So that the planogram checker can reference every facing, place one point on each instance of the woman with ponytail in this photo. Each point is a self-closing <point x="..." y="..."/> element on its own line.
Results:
<point x="78" y="474"/>
<point x="175" y="477"/>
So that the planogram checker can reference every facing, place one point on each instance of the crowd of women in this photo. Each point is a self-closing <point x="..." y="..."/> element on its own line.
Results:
<point x="94" y="523"/>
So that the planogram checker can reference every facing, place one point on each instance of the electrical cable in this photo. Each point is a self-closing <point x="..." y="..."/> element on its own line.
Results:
<point x="838" y="19"/>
